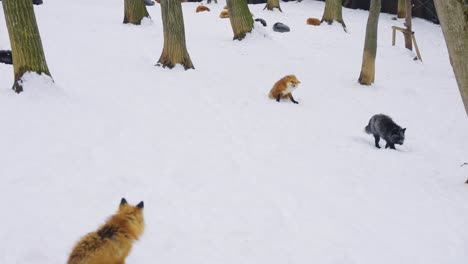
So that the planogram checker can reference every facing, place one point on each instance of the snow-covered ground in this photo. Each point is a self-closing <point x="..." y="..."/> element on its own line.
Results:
<point x="227" y="175"/>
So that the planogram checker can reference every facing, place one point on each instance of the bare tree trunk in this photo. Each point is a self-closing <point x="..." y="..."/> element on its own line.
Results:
<point x="26" y="45"/>
<point x="401" y="9"/>
<point x="174" y="50"/>
<point x="240" y="17"/>
<point x="271" y="4"/>
<point x="333" y="12"/>
<point x="135" y="11"/>
<point x="367" y="75"/>
<point x="453" y="16"/>
<point x="409" y="31"/>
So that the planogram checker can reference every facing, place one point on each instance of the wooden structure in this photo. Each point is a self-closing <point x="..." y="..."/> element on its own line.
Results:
<point x="403" y="30"/>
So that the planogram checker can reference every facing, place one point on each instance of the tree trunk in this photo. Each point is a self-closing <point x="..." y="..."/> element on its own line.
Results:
<point x="174" y="50"/>
<point x="401" y="9"/>
<point x="240" y="17"/>
<point x="271" y="4"/>
<point x="453" y="17"/>
<point x="409" y="31"/>
<point x="134" y="11"/>
<point x="367" y="75"/>
<point x="26" y="45"/>
<point x="333" y="12"/>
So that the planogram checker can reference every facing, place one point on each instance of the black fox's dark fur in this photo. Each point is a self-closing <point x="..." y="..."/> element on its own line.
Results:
<point x="5" y="57"/>
<point x="382" y="126"/>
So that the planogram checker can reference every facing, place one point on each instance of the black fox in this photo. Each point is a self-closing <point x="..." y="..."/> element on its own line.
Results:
<point x="382" y="126"/>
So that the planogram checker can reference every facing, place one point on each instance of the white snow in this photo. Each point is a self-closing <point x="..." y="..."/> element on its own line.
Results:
<point x="228" y="175"/>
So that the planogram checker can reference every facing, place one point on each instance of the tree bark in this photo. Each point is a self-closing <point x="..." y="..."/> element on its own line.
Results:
<point x="409" y="29"/>
<point x="367" y="75"/>
<point x="453" y="17"/>
<point x="271" y="4"/>
<point x="174" y="50"/>
<point x="26" y="46"/>
<point x="134" y="11"/>
<point x="401" y="9"/>
<point x="240" y="17"/>
<point x="333" y="12"/>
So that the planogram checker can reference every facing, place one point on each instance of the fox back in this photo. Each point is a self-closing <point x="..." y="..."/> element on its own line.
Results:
<point x="112" y="242"/>
<point x="224" y="14"/>
<point x="202" y="8"/>
<point x="313" y="21"/>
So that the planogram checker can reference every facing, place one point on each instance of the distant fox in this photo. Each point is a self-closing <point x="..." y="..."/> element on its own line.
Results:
<point x="284" y="87"/>
<point x="224" y="14"/>
<point x="112" y="242"/>
<point x="382" y="126"/>
<point x="313" y="21"/>
<point x="202" y="8"/>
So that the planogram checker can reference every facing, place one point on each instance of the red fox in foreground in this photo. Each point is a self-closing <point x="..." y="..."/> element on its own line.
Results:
<point x="112" y="242"/>
<point x="284" y="87"/>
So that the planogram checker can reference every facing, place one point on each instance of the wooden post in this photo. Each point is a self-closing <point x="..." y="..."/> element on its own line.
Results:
<point x="405" y="32"/>
<point x="416" y="47"/>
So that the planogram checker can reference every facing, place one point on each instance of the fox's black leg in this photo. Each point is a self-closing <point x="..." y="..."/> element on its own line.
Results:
<point x="278" y="98"/>
<point x="377" y="139"/>
<point x="392" y="146"/>
<point x="292" y="98"/>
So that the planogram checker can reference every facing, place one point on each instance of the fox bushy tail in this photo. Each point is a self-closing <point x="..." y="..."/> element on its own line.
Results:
<point x="367" y="128"/>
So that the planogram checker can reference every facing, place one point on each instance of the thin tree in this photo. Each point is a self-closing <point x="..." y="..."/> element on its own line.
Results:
<point x="240" y="17"/>
<point x="271" y="4"/>
<point x="409" y="28"/>
<point x="26" y="45"/>
<point x="367" y="75"/>
<point x="134" y="11"/>
<point x="401" y="9"/>
<point x="453" y="17"/>
<point x="174" y="50"/>
<point x="333" y="12"/>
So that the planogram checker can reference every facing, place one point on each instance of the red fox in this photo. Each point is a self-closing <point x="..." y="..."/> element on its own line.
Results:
<point x="202" y="8"/>
<point x="112" y="242"/>
<point x="284" y="87"/>
<point x="224" y="14"/>
<point x="313" y="21"/>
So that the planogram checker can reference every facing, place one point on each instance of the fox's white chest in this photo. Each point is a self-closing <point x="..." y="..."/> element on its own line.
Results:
<point x="289" y="89"/>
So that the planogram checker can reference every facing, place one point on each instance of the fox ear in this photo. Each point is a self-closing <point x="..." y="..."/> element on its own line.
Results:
<point x="140" y="205"/>
<point x="404" y="130"/>
<point x="123" y="201"/>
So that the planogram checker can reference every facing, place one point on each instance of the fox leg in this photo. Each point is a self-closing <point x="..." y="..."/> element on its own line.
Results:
<point x="377" y="139"/>
<point x="292" y="98"/>
<point x="278" y="98"/>
<point x="392" y="146"/>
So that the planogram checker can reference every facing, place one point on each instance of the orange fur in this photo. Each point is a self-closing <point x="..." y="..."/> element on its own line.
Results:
<point x="112" y="242"/>
<point x="224" y="14"/>
<point x="313" y="21"/>
<point x="284" y="87"/>
<point x="202" y="8"/>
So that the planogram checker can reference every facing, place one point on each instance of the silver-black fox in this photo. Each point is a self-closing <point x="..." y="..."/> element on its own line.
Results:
<point x="382" y="126"/>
